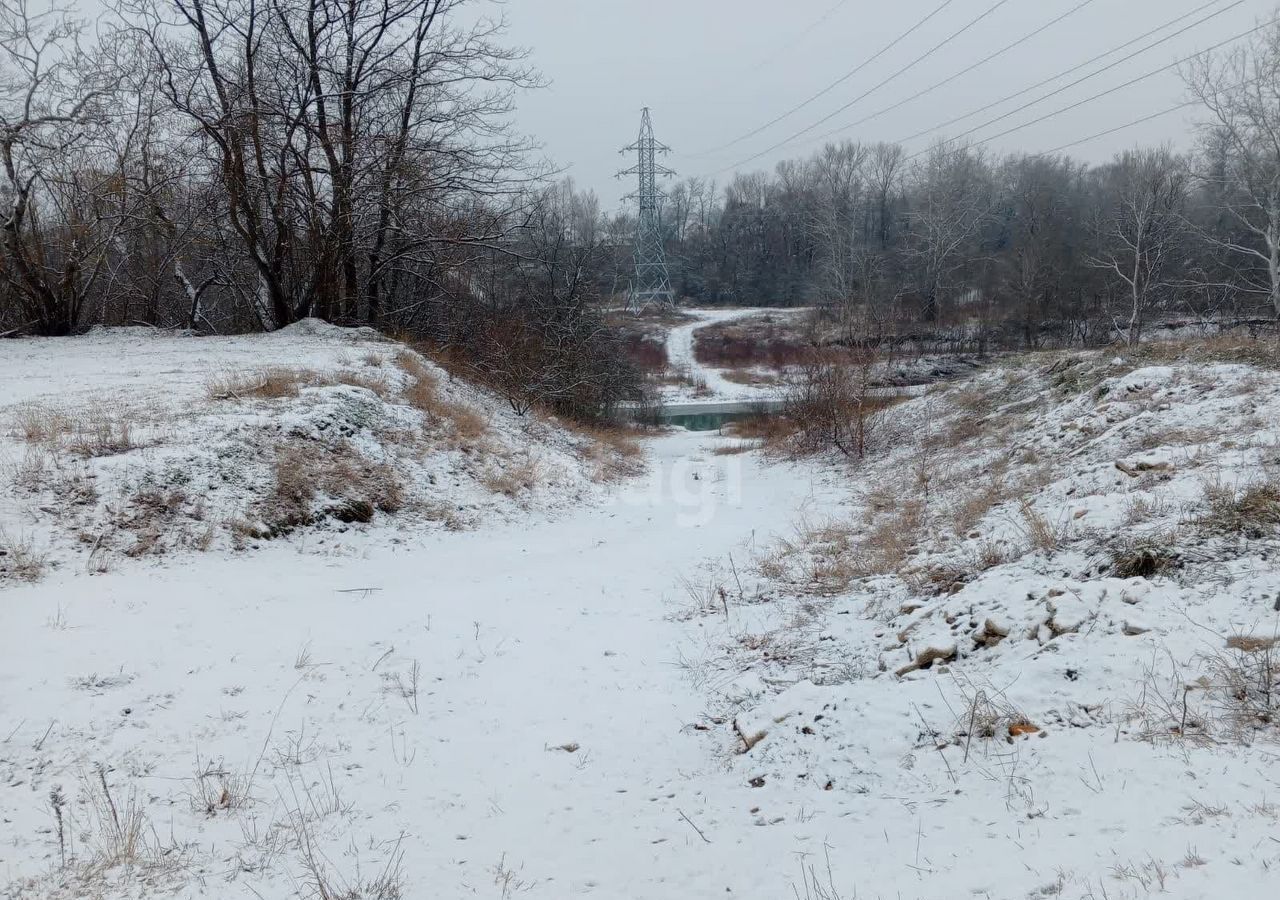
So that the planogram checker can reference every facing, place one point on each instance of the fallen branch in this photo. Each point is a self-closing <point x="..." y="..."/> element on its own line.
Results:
<point x="694" y="827"/>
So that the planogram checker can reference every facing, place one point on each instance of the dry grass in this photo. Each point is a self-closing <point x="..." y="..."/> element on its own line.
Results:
<point x="834" y="554"/>
<point x="737" y="448"/>
<point x="511" y="478"/>
<point x="270" y="383"/>
<point x="155" y="517"/>
<point x="684" y="378"/>
<point x="19" y="559"/>
<point x="1263" y="352"/>
<point x="611" y="449"/>
<point x="771" y="430"/>
<point x="314" y="482"/>
<point x="1145" y="556"/>
<point x="101" y="430"/>
<point x="1040" y="532"/>
<point x="1252" y="511"/>
<point x="1247" y="678"/>
<point x="770" y="341"/>
<point x="466" y="427"/>
<point x="751" y="377"/>
<point x="376" y="382"/>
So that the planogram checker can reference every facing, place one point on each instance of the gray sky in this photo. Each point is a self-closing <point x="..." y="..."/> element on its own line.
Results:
<point x="713" y="70"/>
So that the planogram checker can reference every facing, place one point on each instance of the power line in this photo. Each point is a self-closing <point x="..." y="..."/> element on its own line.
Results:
<point x="1073" y="69"/>
<point x="833" y="85"/>
<point x="982" y="62"/>
<point x="1094" y="74"/>
<point x="1141" y="121"/>
<point x="813" y="26"/>
<point x="1111" y="131"/>
<point x="919" y="59"/>
<point x="1113" y="90"/>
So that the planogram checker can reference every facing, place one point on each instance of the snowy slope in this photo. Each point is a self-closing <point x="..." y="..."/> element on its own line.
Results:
<point x="137" y="443"/>
<point x="1037" y="657"/>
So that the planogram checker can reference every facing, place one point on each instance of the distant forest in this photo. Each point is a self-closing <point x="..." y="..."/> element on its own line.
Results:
<point x="228" y="166"/>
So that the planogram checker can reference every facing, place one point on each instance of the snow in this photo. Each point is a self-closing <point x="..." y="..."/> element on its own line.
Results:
<point x="681" y="358"/>
<point x="153" y="397"/>
<point x="1035" y="708"/>
<point x="555" y="702"/>
<point x="529" y="637"/>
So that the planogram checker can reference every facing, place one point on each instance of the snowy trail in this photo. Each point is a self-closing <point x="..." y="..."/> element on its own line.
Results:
<point x="527" y="637"/>
<point x="680" y="352"/>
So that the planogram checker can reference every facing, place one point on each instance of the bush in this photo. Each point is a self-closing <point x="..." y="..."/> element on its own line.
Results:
<point x="832" y="407"/>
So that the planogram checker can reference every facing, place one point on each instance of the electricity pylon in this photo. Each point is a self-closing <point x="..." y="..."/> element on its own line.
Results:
<point x="652" y="282"/>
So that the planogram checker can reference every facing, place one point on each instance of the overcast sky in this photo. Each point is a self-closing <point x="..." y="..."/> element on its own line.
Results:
<point x="713" y="70"/>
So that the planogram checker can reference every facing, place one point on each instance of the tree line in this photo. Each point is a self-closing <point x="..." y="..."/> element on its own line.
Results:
<point x="238" y="165"/>
<point x="1026" y="249"/>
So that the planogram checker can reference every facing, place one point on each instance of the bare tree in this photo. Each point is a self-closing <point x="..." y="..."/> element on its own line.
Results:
<point x="56" y="228"/>
<point x="1241" y="90"/>
<point x="1141" y="228"/>
<point x="955" y="200"/>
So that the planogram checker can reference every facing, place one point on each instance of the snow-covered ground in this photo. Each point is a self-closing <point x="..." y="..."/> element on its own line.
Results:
<point x="1038" y="657"/>
<point x="135" y="443"/>
<point x="704" y="681"/>
<point x="505" y="711"/>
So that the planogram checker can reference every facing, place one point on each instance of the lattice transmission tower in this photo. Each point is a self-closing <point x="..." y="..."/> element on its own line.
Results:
<point x="652" y="283"/>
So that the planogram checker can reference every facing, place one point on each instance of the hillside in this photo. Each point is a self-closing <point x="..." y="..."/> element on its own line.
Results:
<point x="1046" y="624"/>
<point x="137" y="443"/>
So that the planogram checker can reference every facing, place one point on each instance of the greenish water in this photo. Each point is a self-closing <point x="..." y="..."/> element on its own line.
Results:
<point x="707" y="421"/>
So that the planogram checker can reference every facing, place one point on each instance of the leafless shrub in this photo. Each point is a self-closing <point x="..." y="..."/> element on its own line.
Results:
<point x="214" y="788"/>
<point x="833" y="407"/>
<point x="1246" y="681"/>
<point x="761" y="341"/>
